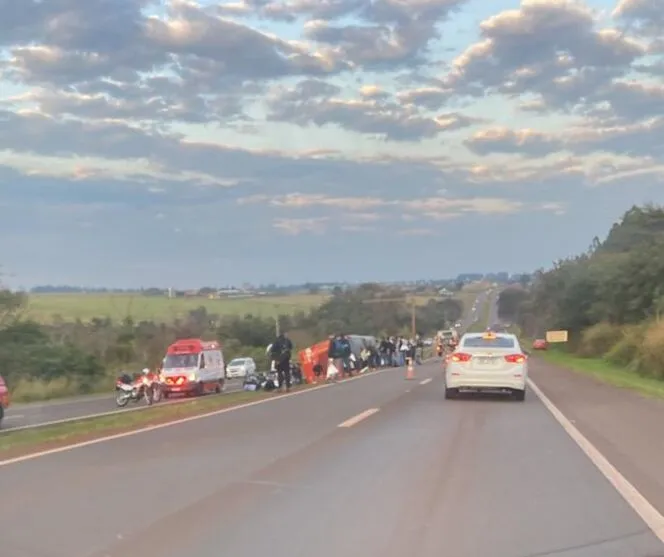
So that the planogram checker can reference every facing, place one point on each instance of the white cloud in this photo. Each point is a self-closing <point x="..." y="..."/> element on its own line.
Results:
<point x="330" y="125"/>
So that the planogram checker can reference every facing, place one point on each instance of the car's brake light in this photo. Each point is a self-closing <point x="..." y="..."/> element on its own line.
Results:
<point x="515" y="359"/>
<point x="460" y="357"/>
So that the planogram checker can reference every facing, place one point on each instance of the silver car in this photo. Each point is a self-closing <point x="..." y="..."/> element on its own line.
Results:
<point x="240" y="367"/>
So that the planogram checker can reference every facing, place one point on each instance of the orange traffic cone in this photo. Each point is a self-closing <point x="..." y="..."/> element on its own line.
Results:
<point x="410" y="370"/>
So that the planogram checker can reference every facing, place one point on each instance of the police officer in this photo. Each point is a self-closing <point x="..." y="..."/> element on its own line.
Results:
<point x="281" y="351"/>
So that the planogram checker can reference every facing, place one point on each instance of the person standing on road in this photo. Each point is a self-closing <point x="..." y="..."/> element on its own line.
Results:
<point x="281" y="351"/>
<point x="346" y="354"/>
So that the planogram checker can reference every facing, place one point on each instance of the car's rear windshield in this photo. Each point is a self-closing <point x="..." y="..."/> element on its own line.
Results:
<point x="481" y="342"/>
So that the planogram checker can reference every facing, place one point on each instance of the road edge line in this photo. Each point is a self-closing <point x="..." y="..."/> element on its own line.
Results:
<point x="643" y="508"/>
<point x="180" y="421"/>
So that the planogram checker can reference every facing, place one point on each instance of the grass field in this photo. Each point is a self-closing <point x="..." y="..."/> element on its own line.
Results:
<point x="45" y="307"/>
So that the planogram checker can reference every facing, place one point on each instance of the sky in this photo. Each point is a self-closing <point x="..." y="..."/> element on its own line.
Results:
<point x="181" y="143"/>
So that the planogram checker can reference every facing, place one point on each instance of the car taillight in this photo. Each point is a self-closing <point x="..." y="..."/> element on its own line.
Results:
<point x="460" y="357"/>
<point x="515" y="359"/>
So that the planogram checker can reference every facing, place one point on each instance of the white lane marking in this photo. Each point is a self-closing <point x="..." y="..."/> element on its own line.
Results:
<point x="14" y="417"/>
<point x="74" y="446"/>
<point x="350" y="422"/>
<point x="649" y="514"/>
<point x="425" y="381"/>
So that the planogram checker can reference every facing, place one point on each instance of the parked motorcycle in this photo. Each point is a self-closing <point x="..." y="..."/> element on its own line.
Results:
<point x="128" y="389"/>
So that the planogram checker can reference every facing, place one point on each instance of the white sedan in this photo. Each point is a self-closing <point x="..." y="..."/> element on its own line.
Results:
<point x="240" y="367"/>
<point x="487" y="362"/>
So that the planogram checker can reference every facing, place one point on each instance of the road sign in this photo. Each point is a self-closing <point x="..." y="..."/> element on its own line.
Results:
<point x="556" y="336"/>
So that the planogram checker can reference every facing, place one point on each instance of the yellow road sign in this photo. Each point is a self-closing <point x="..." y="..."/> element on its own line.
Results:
<point x="556" y="336"/>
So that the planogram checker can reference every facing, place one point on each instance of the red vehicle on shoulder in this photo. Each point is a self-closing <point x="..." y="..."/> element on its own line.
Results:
<point x="540" y="344"/>
<point x="4" y="398"/>
<point x="193" y="367"/>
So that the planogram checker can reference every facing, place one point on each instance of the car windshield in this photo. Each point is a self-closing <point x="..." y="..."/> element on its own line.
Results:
<point x="494" y="342"/>
<point x="180" y="360"/>
<point x="238" y="362"/>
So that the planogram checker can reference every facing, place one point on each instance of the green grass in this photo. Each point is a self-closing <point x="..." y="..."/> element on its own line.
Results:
<point x="45" y="307"/>
<point x="605" y="371"/>
<point x="107" y="425"/>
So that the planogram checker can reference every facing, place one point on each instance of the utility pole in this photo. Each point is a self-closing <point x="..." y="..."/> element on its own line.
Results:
<point x="277" y="321"/>
<point x="413" y="313"/>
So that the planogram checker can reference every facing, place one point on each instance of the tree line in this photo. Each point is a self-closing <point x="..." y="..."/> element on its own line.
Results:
<point x="71" y="357"/>
<point x="610" y="298"/>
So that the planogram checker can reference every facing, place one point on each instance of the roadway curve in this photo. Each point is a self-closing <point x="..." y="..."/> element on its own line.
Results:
<point x="36" y="414"/>
<point x="421" y="477"/>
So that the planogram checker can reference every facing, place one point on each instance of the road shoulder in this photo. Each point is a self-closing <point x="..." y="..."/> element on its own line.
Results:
<point x="623" y="425"/>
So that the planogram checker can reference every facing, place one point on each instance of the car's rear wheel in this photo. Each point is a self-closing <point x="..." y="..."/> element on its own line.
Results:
<point x="451" y="393"/>
<point x="520" y="395"/>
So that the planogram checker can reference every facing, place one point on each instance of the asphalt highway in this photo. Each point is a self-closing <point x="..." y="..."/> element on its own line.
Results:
<point x="374" y="467"/>
<point x="34" y="414"/>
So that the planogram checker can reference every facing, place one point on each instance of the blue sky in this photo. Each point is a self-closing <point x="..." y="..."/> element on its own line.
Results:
<point x="183" y="143"/>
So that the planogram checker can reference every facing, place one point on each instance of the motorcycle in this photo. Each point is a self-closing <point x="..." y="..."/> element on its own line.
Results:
<point x="128" y="389"/>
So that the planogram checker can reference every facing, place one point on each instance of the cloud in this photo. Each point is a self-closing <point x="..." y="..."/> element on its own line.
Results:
<point x="388" y="32"/>
<point x="299" y="226"/>
<point x="179" y="134"/>
<point x="529" y="143"/>
<point x="313" y="103"/>
<point x="551" y="49"/>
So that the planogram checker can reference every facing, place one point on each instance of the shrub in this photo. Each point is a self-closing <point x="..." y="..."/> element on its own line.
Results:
<point x="596" y="341"/>
<point x="651" y="353"/>
<point x="626" y="351"/>
<point x="33" y="390"/>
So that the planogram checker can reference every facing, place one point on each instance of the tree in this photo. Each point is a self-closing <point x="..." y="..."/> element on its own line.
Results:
<point x="11" y="304"/>
<point x="619" y="280"/>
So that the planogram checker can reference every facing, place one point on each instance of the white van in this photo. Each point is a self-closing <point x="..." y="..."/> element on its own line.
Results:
<point x="193" y="367"/>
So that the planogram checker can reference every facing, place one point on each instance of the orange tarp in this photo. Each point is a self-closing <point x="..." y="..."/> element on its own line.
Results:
<point x="312" y="356"/>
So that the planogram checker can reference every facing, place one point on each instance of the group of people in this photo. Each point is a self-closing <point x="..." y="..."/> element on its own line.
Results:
<point x="395" y="351"/>
<point x="388" y="352"/>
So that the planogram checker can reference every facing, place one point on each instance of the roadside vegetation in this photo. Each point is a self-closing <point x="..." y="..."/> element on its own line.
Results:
<point x="610" y="299"/>
<point x="65" y="356"/>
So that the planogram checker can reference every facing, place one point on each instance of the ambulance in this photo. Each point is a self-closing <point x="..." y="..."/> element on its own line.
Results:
<point x="193" y="367"/>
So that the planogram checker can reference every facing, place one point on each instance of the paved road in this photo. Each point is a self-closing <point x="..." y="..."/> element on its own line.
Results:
<point x="475" y="311"/>
<point x="421" y="477"/>
<point x="493" y="310"/>
<point x="21" y="415"/>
